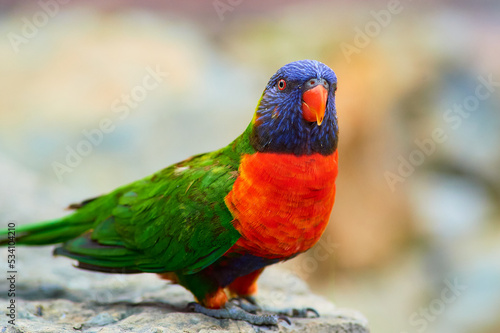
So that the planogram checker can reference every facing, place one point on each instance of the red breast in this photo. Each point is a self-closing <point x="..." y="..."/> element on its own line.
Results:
<point x="282" y="202"/>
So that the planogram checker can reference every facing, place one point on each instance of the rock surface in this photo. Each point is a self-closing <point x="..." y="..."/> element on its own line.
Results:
<point x="52" y="296"/>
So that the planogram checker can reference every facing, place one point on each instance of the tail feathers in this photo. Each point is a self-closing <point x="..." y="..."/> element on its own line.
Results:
<point x="45" y="233"/>
<point x="61" y="251"/>
<point x="92" y="255"/>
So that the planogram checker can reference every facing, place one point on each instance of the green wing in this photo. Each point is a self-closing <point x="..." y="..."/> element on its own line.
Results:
<point x="174" y="220"/>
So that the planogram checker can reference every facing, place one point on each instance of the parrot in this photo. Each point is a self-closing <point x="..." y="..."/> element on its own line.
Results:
<point x="213" y="222"/>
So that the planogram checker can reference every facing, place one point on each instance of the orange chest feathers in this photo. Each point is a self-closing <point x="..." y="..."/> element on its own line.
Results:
<point x="282" y="203"/>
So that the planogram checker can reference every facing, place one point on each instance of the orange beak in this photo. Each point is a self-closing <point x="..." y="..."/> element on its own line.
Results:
<point x="314" y="104"/>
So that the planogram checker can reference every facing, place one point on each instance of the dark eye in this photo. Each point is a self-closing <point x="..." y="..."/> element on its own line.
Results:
<point x="281" y="84"/>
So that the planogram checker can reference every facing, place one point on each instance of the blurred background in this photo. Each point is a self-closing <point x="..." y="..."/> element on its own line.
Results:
<point x="95" y="95"/>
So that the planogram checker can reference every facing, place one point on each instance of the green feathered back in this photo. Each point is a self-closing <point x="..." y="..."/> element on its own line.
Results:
<point x="173" y="220"/>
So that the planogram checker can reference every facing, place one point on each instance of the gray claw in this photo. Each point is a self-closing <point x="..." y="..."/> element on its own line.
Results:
<point x="232" y="311"/>
<point x="299" y="313"/>
<point x="246" y="304"/>
<point x="313" y="311"/>
<point x="285" y="319"/>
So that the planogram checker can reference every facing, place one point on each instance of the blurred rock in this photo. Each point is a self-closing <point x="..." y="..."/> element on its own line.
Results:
<point x="60" y="298"/>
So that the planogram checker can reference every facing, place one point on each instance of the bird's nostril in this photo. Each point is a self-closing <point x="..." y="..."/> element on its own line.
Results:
<point x="314" y="82"/>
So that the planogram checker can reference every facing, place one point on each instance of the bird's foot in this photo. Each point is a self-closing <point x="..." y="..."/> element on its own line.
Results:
<point x="298" y="313"/>
<point x="250" y="299"/>
<point x="233" y="311"/>
<point x="247" y="303"/>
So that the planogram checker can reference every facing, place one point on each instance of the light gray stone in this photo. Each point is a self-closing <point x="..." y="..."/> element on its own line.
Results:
<point x="52" y="296"/>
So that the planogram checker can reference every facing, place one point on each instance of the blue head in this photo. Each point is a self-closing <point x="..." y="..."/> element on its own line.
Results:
<point x="296" y="113"/>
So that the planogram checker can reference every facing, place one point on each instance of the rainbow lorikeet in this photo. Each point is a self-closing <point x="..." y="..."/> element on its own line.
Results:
<point x="214" y="221"/>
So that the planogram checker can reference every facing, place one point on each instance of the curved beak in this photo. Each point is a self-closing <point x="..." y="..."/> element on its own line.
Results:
<point x="314" y="104"/>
